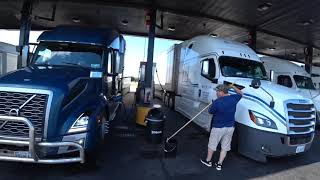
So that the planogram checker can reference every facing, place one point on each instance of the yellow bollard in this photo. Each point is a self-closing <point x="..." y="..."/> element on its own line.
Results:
<point x="142" y="112"/>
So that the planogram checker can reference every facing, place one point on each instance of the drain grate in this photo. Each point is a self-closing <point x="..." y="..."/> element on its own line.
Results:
<point x="151" y="154"/>
<point x="121" y="127"/>
<point x="125" y="135"/>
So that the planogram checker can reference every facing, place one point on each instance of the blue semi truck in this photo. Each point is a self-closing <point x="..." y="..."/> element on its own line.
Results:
<point x="56" y="110"/>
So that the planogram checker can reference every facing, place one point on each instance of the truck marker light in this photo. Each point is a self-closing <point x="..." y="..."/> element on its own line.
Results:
<point x="253" y="117"/>
<point x="81" y="141"/>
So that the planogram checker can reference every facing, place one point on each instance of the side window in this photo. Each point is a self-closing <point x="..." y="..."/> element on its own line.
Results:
<point x="285" y="81"/>
<point x="208" y="69"/>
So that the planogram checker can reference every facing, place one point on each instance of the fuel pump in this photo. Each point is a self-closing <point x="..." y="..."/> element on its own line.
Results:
<point x="144" y="95"/>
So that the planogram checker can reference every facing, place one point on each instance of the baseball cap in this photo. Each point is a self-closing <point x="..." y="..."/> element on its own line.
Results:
<point x="222" y="87"/>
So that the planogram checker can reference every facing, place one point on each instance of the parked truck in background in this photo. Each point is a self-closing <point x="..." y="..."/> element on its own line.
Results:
<point x="56" y="110"/>
<point x="8" y="58"/>
<point x="315" y="76"/>
<point x="293" y="76"/>
<point x="271" y="120"/>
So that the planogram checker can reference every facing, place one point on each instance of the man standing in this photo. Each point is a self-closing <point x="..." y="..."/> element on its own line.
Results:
<point x="223" y="111"/>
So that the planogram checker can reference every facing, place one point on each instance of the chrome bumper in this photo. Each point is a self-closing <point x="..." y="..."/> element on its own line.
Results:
<point x="32" y="144"/>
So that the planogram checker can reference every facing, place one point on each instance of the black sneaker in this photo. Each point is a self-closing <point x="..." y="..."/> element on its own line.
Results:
<point x="218" y="166"/>
<point x="205" y="162"/>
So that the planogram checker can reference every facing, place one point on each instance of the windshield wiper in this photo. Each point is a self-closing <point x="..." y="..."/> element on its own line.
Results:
<point x="74" y="64"/>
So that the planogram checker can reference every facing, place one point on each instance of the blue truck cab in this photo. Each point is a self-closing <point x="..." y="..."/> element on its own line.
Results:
<point x="56" y="110"/>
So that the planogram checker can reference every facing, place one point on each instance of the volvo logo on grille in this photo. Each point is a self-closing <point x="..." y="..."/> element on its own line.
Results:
<point x="14" y="112"/>
<point x="302" y="101"/>
<point x="3" y="124"/>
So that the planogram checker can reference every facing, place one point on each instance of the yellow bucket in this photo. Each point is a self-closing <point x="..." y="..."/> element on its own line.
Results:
<point x="141" y="114"/>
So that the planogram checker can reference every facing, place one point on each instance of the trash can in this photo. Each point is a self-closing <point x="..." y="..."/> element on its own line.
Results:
<point x="155" y="124"/>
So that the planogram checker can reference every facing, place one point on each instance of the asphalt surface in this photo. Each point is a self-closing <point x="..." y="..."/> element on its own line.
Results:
<point x="127" y="156"/>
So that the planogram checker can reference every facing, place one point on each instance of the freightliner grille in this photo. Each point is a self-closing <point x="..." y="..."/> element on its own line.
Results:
<point x="301" y="122"/>
<point x="34" y="110"/>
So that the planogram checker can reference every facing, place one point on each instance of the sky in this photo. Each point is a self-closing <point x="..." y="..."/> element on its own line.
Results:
<point x="136" y="49"/>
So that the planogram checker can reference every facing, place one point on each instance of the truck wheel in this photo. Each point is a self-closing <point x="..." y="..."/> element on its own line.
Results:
<point x="104" y="127"/>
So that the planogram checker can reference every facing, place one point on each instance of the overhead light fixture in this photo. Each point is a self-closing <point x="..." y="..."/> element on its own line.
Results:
<point x="76" y="19"/>
<point x="124" y="22"/>
<point x="171" y="28"/>
<point x="213" y="35"/>
<point x="306" y="23"/>
<point x="293" y="54"/>
<point x="265" y="6"/>
<point x="272" y="48"/>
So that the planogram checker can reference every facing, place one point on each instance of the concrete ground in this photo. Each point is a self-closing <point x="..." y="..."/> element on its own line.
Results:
<point x="127" y="156"/>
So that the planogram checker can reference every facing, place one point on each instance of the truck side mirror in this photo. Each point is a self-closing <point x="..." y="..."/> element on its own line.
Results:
<point x="272" y="104"/>
<point x="215" y="81"/>
<point x="271" y="75"/>
<point x="255" y="83"/>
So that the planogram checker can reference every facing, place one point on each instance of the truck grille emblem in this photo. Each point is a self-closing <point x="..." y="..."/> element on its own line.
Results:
<point x="14" y="112"/>
<point x="4" y="123"/>
<point x="302" y="101"/>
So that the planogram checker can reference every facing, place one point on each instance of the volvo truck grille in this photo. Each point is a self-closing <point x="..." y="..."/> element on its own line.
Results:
<point x="29" y="105"/>
<point x="301" y="121"/>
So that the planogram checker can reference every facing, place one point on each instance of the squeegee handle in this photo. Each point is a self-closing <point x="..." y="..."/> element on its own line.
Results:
<point x="188" y="122"/>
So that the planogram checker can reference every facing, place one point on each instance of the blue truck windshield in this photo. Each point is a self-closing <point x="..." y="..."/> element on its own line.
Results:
<point x="66" y="54"/>
<point x="238" y="67"/>
<point x="303" y="82"/>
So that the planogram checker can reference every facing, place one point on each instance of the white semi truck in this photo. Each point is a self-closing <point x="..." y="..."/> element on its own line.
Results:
<point x="315" y="76"/>
<point x="271" y="120"/>
<point x="293" y="76"/>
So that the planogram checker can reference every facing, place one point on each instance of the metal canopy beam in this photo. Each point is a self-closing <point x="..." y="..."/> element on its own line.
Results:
<point x="202" y="15"/>
<point x="269" y="27"/>
<point x="194" y="14"/>
<point x="152" y="32"/>
<point x="252" y="41"/>
<point x="25" y="28"/>
<point x="308" y="51"/>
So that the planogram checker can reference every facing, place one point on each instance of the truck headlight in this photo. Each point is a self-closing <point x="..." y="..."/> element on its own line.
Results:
<point x="80" y="124"/>
<point x="262" y="120"/>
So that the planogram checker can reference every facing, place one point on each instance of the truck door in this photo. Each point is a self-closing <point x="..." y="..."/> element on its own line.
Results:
<point x="107" y="78"/>
<point x="207" y="78"/>
<point x="206" y="89"/>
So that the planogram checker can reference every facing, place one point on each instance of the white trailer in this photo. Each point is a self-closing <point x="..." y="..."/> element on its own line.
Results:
<point x="166" y="84"/>
<point x="315" y="76"/>
<point x="8" y="58"/>
<point x="293" y="76"/>
<point x="270" y="121"/>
